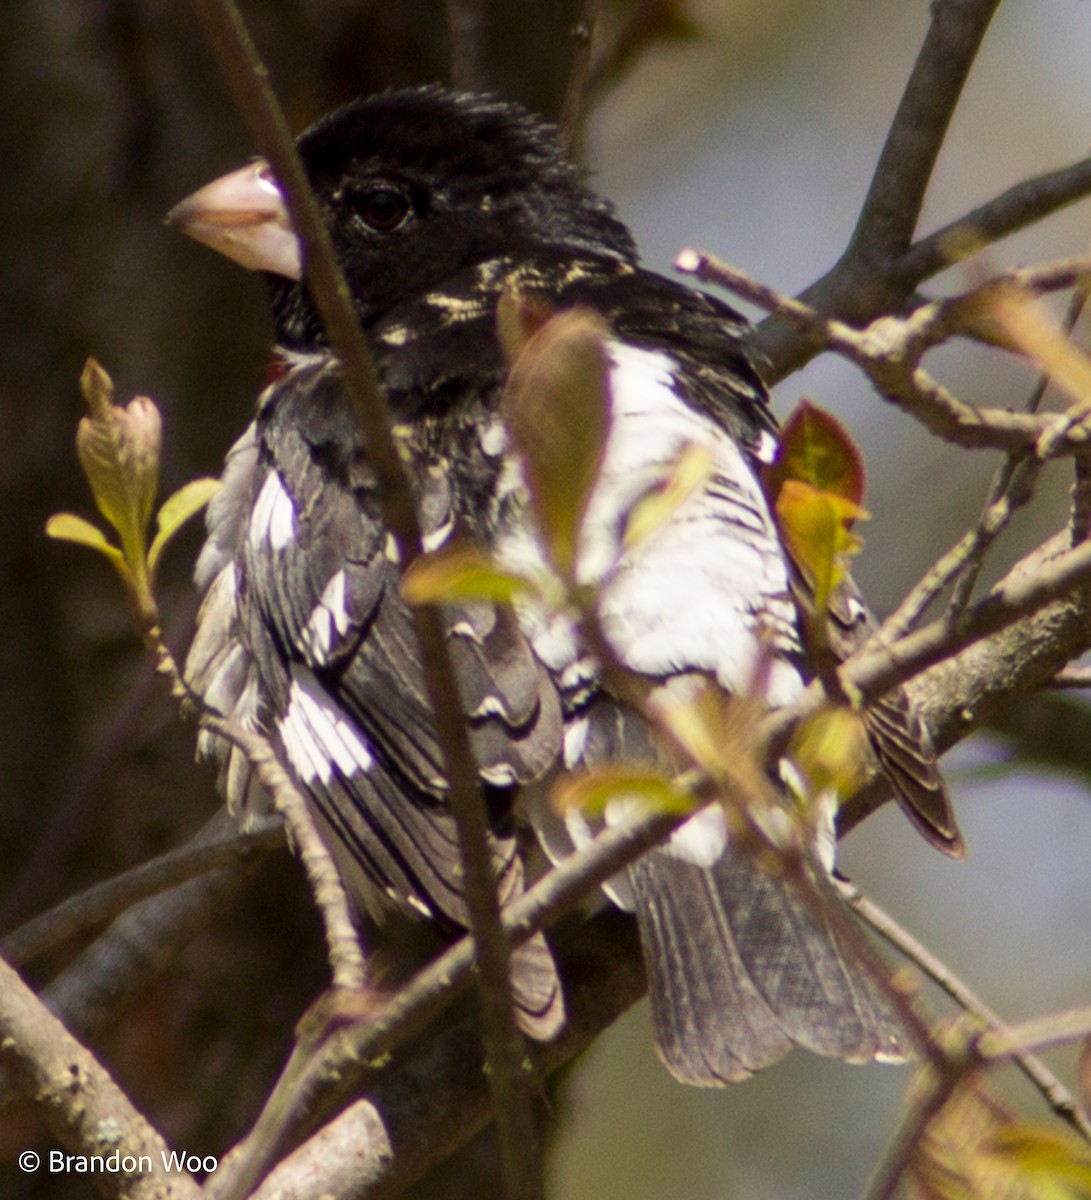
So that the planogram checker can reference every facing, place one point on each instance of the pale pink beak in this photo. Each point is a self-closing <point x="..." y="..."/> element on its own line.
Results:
<point x="243" y="215"/>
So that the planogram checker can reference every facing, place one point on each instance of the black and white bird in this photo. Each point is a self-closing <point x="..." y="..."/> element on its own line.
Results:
<point x="437" y="202"/>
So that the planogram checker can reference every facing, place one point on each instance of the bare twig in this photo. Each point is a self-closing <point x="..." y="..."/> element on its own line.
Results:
<point x="936" y="1090"/>
<point x="1056" y="1095"/>
<point x="343" y="945"/>
<point x="1072" y="677"/>
<point x="1012" y="488"/>
<point x="889" y="351"/>
<point x="892" y="207"/>
<point x="75" y="1093"/>
<point x="1013" y="483"/>
<point x="878" y="667"/>
<point x="248" y="79"/>
<point x="864" y="283"/>
<point x="414" y="1116"/>
<point x="104" y="901"/>
<point x="1026" y="202"/>
<point x="348" y="1054"/>
<point x="1036" y="1034"/>
<point x="572" y="110"/>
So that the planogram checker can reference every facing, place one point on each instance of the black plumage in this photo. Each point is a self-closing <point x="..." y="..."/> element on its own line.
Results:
<point x="437" y="203"/>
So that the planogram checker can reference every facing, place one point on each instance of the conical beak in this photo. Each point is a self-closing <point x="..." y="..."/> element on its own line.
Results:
<point x="243" y="215"/>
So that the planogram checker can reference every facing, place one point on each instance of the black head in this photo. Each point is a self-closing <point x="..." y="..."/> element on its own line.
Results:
<point x="421" y="183"/>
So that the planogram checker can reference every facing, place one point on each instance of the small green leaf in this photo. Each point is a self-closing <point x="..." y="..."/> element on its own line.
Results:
<point x="557" y="408"/>
<point x="830" y="748"/>
<point x="67" y="527"/>
<point x="655" y="508"/>
<point x="1054" y="1161"/>
<point x="816" y="528"/>
<point x="176" y="510"/>
<point x="590" y="792"/>
<point x="459" y="572"/>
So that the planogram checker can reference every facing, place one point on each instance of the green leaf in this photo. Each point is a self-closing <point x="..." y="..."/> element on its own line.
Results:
<point x="557" y="408"/>
<point x="459" y="572"/>
<point x="176" y="510"/>
<point x="655" y="508"/>
<point x="1054" y="1161"/>
<point x="67" y="527"/>
<point x="816" y="528"/>
<point x="591" y="791"/>
<point x="830" y="748"/>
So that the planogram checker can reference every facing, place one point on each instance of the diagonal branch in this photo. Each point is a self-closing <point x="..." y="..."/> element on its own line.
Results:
<point x="219" y="844"/>
<point x="249" y="81"/>
<point x="892" y="206"/>
<point x="86" y="1109"/>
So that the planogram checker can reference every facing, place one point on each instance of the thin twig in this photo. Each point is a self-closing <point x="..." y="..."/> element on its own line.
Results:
<point x="967" y="552"/>
<point x="349" y="1053"/>
<point x="511" y="1087"/>
<point x="1026" y="202"/>
<point x="1072" y="677"/>
<point x="865" y="283"/>
<point x="104" y="901"/>
<point x="1036" y="1034"/>
<point x="889" y="351"/>
<point x="878" y="667"/>
<point x="1012" y="487"/>
<point x="1013" y="483"/>
<point x="1055" y="1093"/>
<point x="938" y="1089"/>
<point x="572" y="110"/>
<point x="343" y="945"/>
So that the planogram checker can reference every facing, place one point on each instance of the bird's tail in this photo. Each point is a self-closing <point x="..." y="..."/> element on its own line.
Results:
<point x="741" y="968"/>
<point x="539" y="1001"/>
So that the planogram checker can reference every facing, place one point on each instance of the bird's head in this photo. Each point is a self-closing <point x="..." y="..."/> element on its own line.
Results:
<point x="415" y="185"/>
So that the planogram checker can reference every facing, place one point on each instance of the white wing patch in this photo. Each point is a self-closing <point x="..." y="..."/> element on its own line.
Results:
<point x="317" y="736"/>
<point x="706" y="591"/>
<point x="273" y="518"/>
<point x="329" y="620"/>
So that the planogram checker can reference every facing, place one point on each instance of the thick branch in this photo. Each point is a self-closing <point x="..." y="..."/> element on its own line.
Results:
<point x="85" y="1108"/>
<point x="892" y="207"/>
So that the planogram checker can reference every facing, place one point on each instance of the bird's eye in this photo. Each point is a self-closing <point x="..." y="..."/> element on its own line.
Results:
<point x="383" y="209"/>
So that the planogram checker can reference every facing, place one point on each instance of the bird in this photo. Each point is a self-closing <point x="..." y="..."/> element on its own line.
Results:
<point x="439" y="203"/>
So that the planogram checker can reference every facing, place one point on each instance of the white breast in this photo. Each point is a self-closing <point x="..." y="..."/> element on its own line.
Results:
<point x="703" y="592"/>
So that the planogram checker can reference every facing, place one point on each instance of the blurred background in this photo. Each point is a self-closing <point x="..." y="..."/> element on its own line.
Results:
<point x="746" y="127"/>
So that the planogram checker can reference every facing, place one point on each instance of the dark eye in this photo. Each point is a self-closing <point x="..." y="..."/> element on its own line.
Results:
<point x="383" y="209"/>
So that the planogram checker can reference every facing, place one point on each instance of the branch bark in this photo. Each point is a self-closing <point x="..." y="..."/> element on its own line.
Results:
<point x="79" y="1099"/>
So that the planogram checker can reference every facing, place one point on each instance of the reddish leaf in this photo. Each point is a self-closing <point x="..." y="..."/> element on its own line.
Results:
<point x="815" y="449"/>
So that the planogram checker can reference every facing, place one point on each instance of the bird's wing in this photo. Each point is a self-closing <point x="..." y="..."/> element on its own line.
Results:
<point x="305" y="633"/>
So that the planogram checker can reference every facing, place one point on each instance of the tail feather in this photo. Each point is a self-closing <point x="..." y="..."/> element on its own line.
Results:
<point x="539" y="1001"/>
<point x="740" y="969"/>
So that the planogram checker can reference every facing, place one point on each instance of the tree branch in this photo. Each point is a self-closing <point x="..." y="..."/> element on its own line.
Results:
<point x="220" y="844"/>
<point x="79" y="1099"/>
<point x="892" y="206"/>
<point x="1019" y="206"/>
<point x="510" y="1084"/>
